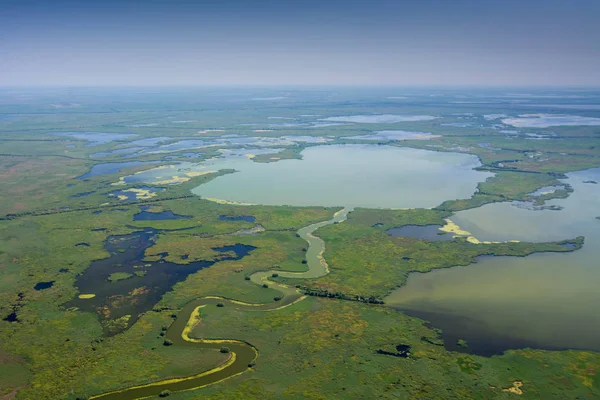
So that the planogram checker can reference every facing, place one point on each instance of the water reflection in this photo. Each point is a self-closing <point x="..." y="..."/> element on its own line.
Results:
<point x="543" y="300"/>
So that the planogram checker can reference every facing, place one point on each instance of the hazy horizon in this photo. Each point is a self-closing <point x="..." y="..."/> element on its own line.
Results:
<point x="428" y="43"/>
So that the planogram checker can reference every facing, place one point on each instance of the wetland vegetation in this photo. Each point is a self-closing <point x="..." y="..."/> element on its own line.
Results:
<point x="202" y="247"/>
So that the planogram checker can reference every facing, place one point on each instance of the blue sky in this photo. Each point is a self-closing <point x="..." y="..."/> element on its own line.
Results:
<point x="267" y="42"/>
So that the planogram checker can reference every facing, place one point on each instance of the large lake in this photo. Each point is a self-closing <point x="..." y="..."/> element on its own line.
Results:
<point x="544" y="300"/>
<point x="349" y="175"/>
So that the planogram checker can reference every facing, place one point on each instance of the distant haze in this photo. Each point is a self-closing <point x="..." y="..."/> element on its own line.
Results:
<point x="268" y="42"/>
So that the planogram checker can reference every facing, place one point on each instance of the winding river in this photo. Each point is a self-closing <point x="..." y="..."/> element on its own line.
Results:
<point x="242" y="354"/>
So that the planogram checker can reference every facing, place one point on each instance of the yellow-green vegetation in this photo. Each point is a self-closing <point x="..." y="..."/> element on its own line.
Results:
<point x="278" y="250"/>
<point x="119" y="276"/>
<point x="95" y="364"/>
<point x="53" y="226"/>
<point x="386" y="219"/>
<point x="30" y="182"/>
<point x="323" y="349"/>
<point x="13" y="374"/>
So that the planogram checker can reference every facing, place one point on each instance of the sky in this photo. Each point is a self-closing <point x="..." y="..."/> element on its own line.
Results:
<point x="303" y="42"/>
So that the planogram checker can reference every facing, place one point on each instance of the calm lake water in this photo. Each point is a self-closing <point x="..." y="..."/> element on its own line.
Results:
<point x="349" y="175"/>
<point x="544" y="300"/>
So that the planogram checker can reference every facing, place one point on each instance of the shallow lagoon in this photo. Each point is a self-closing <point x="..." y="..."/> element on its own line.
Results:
<point x="380" y="118"/>
<point x="548" y="120"/>
<point x="543" y="300"/>
<point x="394" y="135"/>
<point x="96" y="138"/>
<point x="349" y="175"/>
<point x="112" y="168"/>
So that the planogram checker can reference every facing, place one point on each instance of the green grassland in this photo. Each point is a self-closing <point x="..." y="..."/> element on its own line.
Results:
<point x="316" y="349"/>
<point x="323" y="349"/>
<point x="365" y="261"/>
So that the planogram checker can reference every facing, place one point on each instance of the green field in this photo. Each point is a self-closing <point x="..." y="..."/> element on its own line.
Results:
<point x="338" y="342"/>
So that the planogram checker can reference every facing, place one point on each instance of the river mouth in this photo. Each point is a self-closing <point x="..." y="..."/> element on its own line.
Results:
<point x="124" y="285"/>
<point x="546" y="300"/>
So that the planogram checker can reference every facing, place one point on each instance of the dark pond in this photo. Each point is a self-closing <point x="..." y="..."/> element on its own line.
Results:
<point x="402" y="351"/>
<point x="427" y="232"/>
<point x="97" y="212"/>
<point x="12" y="317"/>
<point x="111" y="168"/>
<point x="158" y="216"/>
<point x="75" y="196"/>
<point x="118" y="304"/>
<point x="43" y="285"/>
<point x="247" y="218"/>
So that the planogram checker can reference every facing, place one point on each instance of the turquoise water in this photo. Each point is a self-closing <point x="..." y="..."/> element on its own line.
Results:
<point x="348" y="175"/>
<point x="543" y="300"/>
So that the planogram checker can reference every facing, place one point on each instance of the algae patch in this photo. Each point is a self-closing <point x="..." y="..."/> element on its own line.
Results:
<point x="119" y="276"/>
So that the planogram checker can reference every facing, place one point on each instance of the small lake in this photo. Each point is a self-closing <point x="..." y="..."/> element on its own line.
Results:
<point x="348" y="175"/>
<point x="96" y="138"/>
<point x="118" y="288"/>
<point x="548" y="120"/>
<point x="246" y="218"/>
<point x="43" y="285"/>
<point x="545" y="300"/>
<point x="112" y="168"/>
<point x="158" y="216"/>
<point x="394" y="135"/>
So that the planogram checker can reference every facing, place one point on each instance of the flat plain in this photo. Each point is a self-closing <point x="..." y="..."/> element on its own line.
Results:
<point x="191" y="244"/>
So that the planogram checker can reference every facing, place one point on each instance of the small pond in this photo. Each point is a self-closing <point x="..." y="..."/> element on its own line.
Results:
<point x="247" y="218"/>
<point x="158" y="216"/>
<point x="43" y="285"/>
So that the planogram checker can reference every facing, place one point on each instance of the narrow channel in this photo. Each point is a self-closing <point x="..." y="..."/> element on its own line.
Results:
<point x="242" y="354"/>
